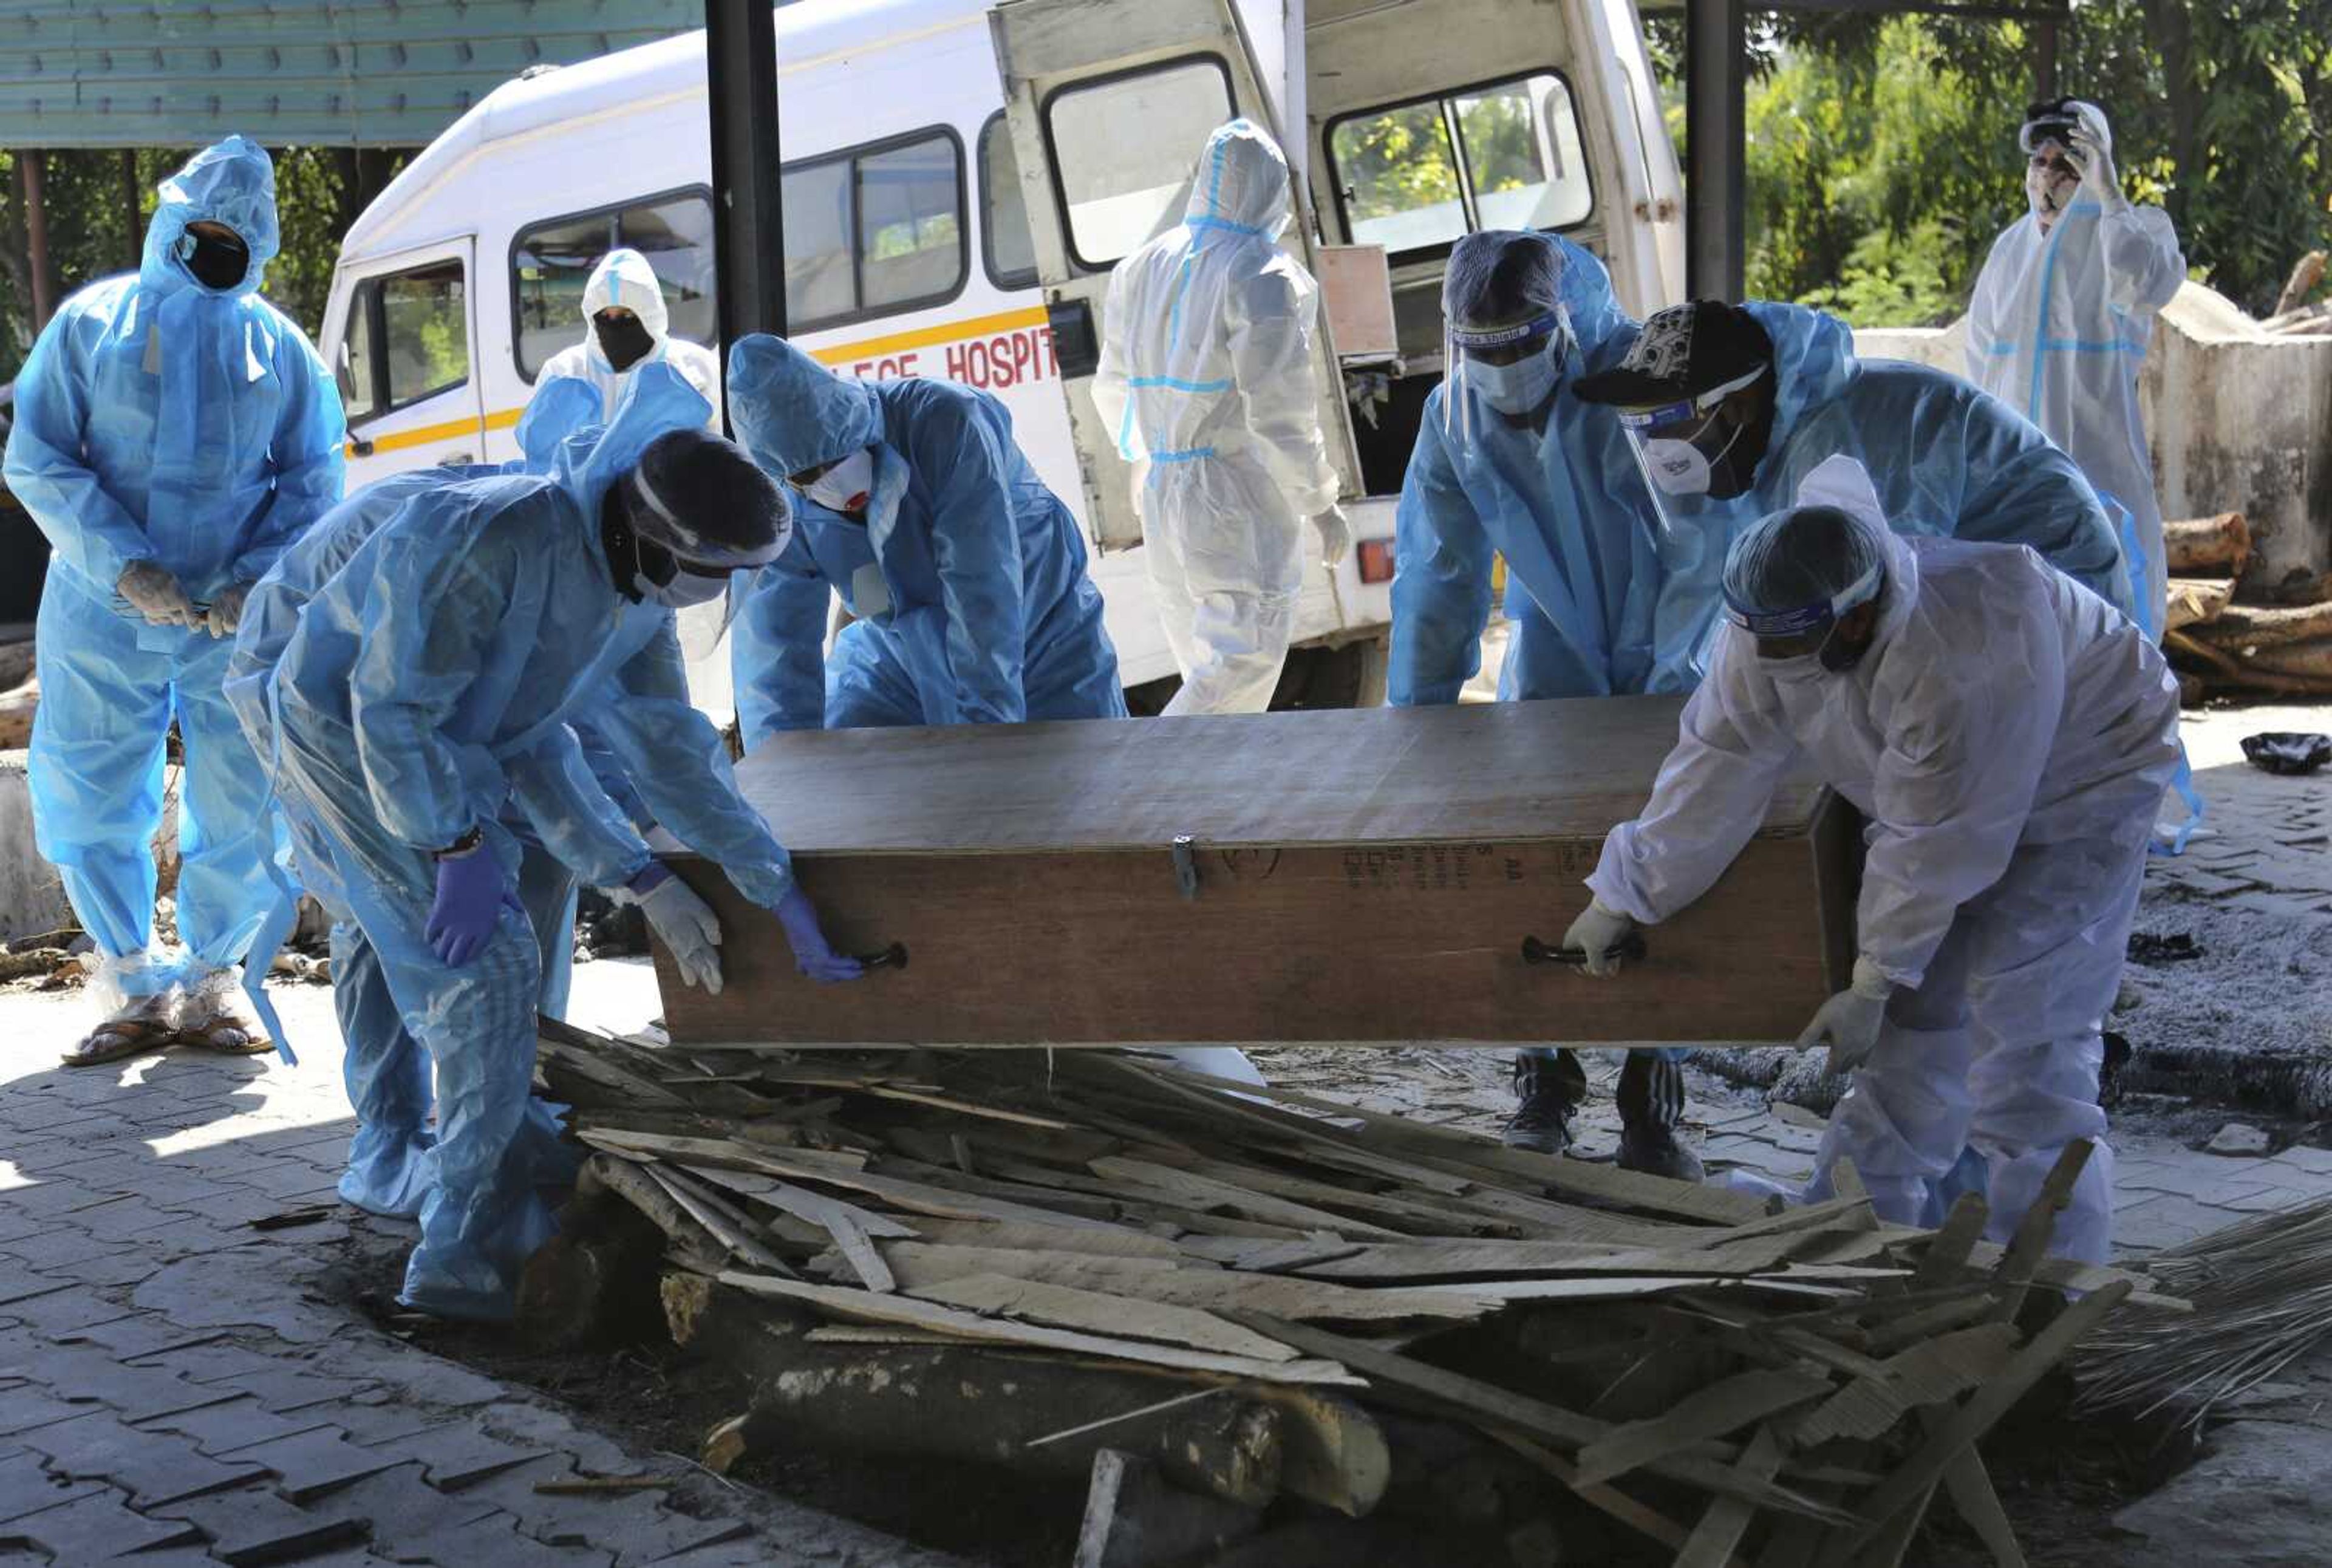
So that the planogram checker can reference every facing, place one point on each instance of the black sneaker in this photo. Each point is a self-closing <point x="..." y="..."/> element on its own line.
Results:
<point x="1542" y="1121"/>
<point x="1657" y="1150"/>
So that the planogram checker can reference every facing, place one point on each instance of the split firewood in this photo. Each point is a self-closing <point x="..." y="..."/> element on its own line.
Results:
<point x="2195" y="599"/>
<point x="2305" y="274"/>
<point x="2210" y="547"/>
<point x="969" y="1402"/>
<point x="2242" y="628"/>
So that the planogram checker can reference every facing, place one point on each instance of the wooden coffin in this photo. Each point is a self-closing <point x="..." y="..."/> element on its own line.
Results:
<point x="1362" y="876"/>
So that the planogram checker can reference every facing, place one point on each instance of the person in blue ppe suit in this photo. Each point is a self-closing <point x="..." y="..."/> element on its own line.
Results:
<point x="1729" y="407"/>
<point x="966" y="574"/>
<point x="1510" y="462"/>
<point x="428" y="681"/>
<point x="2008" y="735"/>
<point x="173" y="434"/>
<point x="384" y="1069"/>
<point x="2062" y="312"/>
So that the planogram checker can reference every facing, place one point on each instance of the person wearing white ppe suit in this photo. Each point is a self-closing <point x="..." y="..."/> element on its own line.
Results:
<point x="627" y="324"/>
<point x="1207" y="377"/>
<point x="2064" y="309"/>
<point x="2008" y="735"/>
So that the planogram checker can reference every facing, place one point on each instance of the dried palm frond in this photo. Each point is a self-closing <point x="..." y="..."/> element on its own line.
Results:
<point x="2262" y="1298"/>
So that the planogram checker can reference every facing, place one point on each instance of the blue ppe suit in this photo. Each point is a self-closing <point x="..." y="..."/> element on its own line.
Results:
<point x="1564" y="501"/>
<point x="161" y="420"/>
<point x="968" y="575"/>
<point x="427" y="684"/>
<point x="1945" y="459"/>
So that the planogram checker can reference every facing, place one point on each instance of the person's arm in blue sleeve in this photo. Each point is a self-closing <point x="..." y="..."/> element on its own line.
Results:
<point x="311" y="464"/>
<point x="426" y="635"/>
<point x="1441" y="578"/>
<point x="677" y="761"/>
<point x="776" y="646"/>
<point x="85" y="525"/>
<point x="976" y="542"/>
<point x="2019" y="488"/>
<point x="573" y="816"/>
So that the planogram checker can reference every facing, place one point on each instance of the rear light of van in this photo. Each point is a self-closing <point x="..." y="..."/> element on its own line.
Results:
<point x="1376" y="561"/>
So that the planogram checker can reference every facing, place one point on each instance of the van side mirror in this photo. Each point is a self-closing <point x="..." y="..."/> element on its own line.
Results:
<point x="1076" y="346"/>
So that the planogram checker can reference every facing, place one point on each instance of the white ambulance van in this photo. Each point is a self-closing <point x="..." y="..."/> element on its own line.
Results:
<point x="959" y="176"/>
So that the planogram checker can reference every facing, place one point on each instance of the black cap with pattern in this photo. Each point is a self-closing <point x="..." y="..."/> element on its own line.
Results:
<point x="1682" y="353"/>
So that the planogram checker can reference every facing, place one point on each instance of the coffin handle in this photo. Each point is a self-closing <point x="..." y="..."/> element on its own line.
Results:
<point x="1631" y="949"/>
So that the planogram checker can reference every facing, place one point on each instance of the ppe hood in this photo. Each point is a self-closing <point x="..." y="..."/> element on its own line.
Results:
<point x="1241" y="182"/>
<point x="790" y="411"/>
<point x="231" y="183"/>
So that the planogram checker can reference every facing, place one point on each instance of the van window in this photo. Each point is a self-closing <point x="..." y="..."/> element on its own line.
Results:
<point x="875" y="230"/>
<point x="1417" y="176"/>
<point x="550" y="262"/>
<point x="1117" y="189"/>
<point x="407" y="339"/>
<point x="1009" y="248"/>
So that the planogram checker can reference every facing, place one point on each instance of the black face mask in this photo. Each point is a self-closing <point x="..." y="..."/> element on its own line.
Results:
<point x="215" y="264"/>
<point x="624" y="340"/>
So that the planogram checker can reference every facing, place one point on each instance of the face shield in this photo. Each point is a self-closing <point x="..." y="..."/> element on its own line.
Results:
<point x="1808" y="632"/>
<point x="656" y="557"/>
<point x="1512" y="370"/>
<point x="1701" y="445"/>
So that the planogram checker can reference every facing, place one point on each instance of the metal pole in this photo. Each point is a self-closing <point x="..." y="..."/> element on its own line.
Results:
<point x="1715" y="147"/>
<point x="748" y="243"/>
<point x="2044" y="62"/>
<point x="36" y="234"/>
<point x="133" y="210"/>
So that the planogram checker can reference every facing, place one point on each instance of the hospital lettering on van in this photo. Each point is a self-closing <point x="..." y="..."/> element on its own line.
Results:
<point x="992" y="364"/>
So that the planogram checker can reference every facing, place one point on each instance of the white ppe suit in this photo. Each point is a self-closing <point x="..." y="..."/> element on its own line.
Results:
<point x="1207" y="377"/>
<point x="624" y="277"/>
<point x="2008" y="735"/>
<point x="2058" y="328"/>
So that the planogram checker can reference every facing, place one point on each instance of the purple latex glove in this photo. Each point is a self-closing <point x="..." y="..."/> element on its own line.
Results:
<point x="472" y="891"/>
<point x="812" y="956"/>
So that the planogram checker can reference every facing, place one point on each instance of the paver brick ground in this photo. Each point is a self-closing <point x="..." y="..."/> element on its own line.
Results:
<point x="177" y="1385"/>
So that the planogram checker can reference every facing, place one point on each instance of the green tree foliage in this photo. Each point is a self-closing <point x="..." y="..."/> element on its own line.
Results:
<point x="95" y="232"/>
<point x="1883" y="159"/>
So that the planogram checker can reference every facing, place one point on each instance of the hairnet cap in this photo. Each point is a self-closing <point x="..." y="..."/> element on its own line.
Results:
<point x="1500" y="277"/>
<point x="1682" y="353"/>
<point x="708" y="501"/>
<point x="1804" y="556"/>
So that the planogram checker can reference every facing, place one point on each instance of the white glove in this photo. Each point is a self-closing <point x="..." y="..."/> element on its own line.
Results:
<point x="1597" y="933"/>
<point x="684" y="924"/>
<point x="1851" y="1020"/>
<point x="226" y="610"/>
<point x="1335" y="536"/>
<point x="2093" y="155"/>
<point x="153" y="592"/>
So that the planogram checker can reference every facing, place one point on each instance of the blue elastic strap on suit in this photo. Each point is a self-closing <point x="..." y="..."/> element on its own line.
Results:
<point x="2133" y="555"/>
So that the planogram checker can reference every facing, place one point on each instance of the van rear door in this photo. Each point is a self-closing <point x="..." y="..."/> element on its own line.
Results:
<point x="1109" y="107"/>
<point x="400" y="347"/>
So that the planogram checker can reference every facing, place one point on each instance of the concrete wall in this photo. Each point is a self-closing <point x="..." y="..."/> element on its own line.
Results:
<point x="2239" y="420"/>
<point x="32" y="900"/>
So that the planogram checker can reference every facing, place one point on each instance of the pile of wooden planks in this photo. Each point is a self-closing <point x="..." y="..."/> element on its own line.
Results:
<point x="2220" y="645"/>
<point x="1072" y="1261"/>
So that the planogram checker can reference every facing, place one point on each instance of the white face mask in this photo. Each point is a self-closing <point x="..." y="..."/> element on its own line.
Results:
<point x="684" y="589"/>
<point x="1677" y="467"/>
<point x="1519" y="387"/>
<point x="845" y="486"/>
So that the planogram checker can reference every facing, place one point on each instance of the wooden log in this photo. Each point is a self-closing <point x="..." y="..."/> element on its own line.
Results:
<point x="2305" y="274"/>
<point x="2197" y="599"/>
<point x="2225" y="670"/>
<point x="2239" y="628"/>
<point x="2310" y="661"/>
<point x="594" y="1283"/>
<point x="966" y="1403"/>
<point x="2207" y="546"/>
<point x="1031" y="874"/>
<point x="1136" y="1518"/>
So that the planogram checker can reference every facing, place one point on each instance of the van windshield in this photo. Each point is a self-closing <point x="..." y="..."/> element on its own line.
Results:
<point x="1420" y="176"/>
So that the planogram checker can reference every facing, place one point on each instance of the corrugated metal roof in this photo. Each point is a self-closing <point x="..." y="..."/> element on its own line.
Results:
<point x="344" y="73"/>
